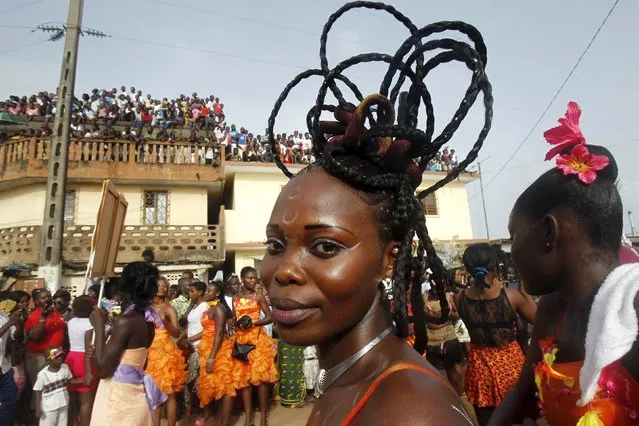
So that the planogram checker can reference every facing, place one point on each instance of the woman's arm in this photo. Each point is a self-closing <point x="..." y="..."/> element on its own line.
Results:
<point x="107" y="355"/>
<point x="268" y="315"/>
<point x="523" y="304"/>
<point x="219" y="315"/>
<point x="37" y="332"/>
<point x="171" y="322"/>
<point x="88" y="371"/>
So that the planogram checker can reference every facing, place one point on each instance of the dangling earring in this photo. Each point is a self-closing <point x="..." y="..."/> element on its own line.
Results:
<point x="387" y="288"/>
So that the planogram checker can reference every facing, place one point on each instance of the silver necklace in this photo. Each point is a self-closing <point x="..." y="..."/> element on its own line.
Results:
<point x="327" y="377"/>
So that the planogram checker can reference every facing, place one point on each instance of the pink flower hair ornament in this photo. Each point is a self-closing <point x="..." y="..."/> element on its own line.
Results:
<point x="567" y="137"/>
<point x="567" y="134"/>
<point x="582" y="163"/>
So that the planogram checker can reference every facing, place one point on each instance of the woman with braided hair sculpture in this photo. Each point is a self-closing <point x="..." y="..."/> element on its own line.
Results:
<point x="566" y="230"/>
<point x="339" y="239"/>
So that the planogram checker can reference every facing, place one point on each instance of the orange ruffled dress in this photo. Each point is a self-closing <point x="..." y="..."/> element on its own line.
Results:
<point x="224" y="379"/>
<point x="261" y="367"/>
<point x="616" y="402"/>
<point x="166" y="364"/>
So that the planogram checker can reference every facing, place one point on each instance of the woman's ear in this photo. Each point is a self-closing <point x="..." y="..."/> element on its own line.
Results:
<point x="391" y="253"/>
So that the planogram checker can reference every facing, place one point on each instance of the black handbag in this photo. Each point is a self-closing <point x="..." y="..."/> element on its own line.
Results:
<point x="241" y="351"/>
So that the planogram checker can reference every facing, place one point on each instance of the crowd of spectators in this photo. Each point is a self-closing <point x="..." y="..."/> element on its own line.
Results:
<point x="130" y="115"/>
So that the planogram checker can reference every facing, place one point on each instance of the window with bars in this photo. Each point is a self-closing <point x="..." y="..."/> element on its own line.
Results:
<point x="69" y="205"/>
<point x="430" y="205"/>
<point x="156" y="208"/>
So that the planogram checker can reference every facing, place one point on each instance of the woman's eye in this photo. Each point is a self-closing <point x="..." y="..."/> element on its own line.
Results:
<point x="327" y="248"/>
<point x="274" y="246"/>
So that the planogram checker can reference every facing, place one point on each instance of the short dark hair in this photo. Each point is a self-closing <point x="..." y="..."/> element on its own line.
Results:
<point x="82" y="306"/>
<point x="63" y="294"/>
<point x="247" y="270"/>
<point x="597" y="206"/>
<point x="199" y="286"/>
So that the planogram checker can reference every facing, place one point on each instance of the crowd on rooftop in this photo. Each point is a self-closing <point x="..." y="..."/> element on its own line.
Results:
<point x="130" y="115"/>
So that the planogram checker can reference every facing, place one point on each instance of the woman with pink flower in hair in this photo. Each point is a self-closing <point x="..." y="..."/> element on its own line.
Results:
<point x="566" y="230"/>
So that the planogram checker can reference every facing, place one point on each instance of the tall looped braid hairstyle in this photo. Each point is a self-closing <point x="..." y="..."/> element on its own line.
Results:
<point x="383" y="155"/>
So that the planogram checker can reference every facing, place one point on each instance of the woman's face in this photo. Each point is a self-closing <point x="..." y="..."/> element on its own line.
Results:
<point x="194" y="294"/>
<point x="234" y="285"/>
<point x="324" y="259"/>
<point x="212" y="293"/>
<point x="61" y="304"/>
<point x="42" y="298"/>
<point x="163" y="288"/>
<point x="249" y="281"/>
<point x="459" y="277"/>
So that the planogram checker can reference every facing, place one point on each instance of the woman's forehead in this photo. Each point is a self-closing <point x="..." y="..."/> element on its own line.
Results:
<point x="319" y="198"/>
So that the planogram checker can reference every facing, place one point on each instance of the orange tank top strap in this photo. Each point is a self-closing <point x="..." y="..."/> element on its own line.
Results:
<point x="395" y="368"/>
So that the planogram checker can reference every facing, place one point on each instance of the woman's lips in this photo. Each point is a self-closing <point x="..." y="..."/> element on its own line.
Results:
<point x="292" y="316"/>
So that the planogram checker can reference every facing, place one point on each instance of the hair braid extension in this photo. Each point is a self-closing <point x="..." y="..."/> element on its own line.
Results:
<point x="382" y="156"/>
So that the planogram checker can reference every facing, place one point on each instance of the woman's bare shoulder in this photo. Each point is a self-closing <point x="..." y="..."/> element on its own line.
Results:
<point x="413" y="397"/>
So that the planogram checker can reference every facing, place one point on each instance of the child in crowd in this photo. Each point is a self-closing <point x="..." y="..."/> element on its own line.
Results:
<point x="51" y="395"/>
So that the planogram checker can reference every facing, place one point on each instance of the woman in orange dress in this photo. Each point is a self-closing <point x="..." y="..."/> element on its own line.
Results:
<point x="218" y="370"/>
<point x="566" y="230"/>
<point x="260" y="370"/>
<point x="165" y="363"/>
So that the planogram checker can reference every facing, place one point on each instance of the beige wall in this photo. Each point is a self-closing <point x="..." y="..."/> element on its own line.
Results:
<point x="25" y="205"/>
<point x="22" y="206"/>
<point x="251" y="257"/>
<point x="254" y="195"/>
<point x="453" y="220"/>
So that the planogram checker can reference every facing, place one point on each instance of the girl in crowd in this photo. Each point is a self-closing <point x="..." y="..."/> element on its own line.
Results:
<point x="339" y="239"/>
<point x="45" y="328"/>
<point x="219" y="372"/>
<point x="127" y="396"/>
<point x="165" y="363"/>
<point x="260" y="370"/>
<point x="80" y="362"/>
<point x="490" y="312"/>
<point x="191" y="340"/>
<point x="566" y="229"/>
<point x="231" y="289"/>
<point x="444" y="351"/>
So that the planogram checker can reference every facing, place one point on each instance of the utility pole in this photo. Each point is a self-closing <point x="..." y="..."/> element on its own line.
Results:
<point x="632" y="225"/>
<point x="53" y="224"/>
<point x="483" y="200"/>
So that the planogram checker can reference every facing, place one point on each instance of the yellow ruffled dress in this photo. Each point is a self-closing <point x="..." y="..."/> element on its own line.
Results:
<point x="224" y="381"/>
<point x="261" y="367"/>
<point x="166" y="363"/>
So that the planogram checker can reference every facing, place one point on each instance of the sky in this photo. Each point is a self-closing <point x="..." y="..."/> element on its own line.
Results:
<point x="246" y="51"/>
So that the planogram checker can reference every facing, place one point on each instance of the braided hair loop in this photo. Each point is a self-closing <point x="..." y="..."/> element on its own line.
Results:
<point x="375" y="146"/>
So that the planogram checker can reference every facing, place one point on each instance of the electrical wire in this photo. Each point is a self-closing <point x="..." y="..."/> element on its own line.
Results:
<point x="556" y="95"/>
<point x="22" y="47"/>
<point x="20" y="6"/>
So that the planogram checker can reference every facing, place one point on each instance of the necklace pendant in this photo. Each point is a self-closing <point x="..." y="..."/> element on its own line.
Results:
<point x="319" y="388"/>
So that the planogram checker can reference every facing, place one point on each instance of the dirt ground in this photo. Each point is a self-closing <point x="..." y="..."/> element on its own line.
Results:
<point x="278" y="415"/>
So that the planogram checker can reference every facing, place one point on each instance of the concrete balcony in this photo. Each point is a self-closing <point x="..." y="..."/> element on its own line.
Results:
<point x="170" y="243"/>
<point x="25" y="161"/>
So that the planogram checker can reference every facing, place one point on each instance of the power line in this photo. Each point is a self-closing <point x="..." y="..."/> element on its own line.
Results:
<point x="20" y="6"/>
<point x="22" y="47"/>
<point x="552" y="101"/>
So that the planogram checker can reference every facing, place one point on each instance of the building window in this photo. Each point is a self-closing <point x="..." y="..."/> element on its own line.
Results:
<point x="156" y="208"/>
<point x="69" y="205"/>
<point x="430" y="205"/>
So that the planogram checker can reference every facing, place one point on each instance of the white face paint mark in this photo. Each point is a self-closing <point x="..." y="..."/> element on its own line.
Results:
<point x="291" y="214"/>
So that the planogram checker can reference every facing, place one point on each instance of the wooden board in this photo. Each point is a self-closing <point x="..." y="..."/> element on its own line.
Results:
<point x="108" y="232"/>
